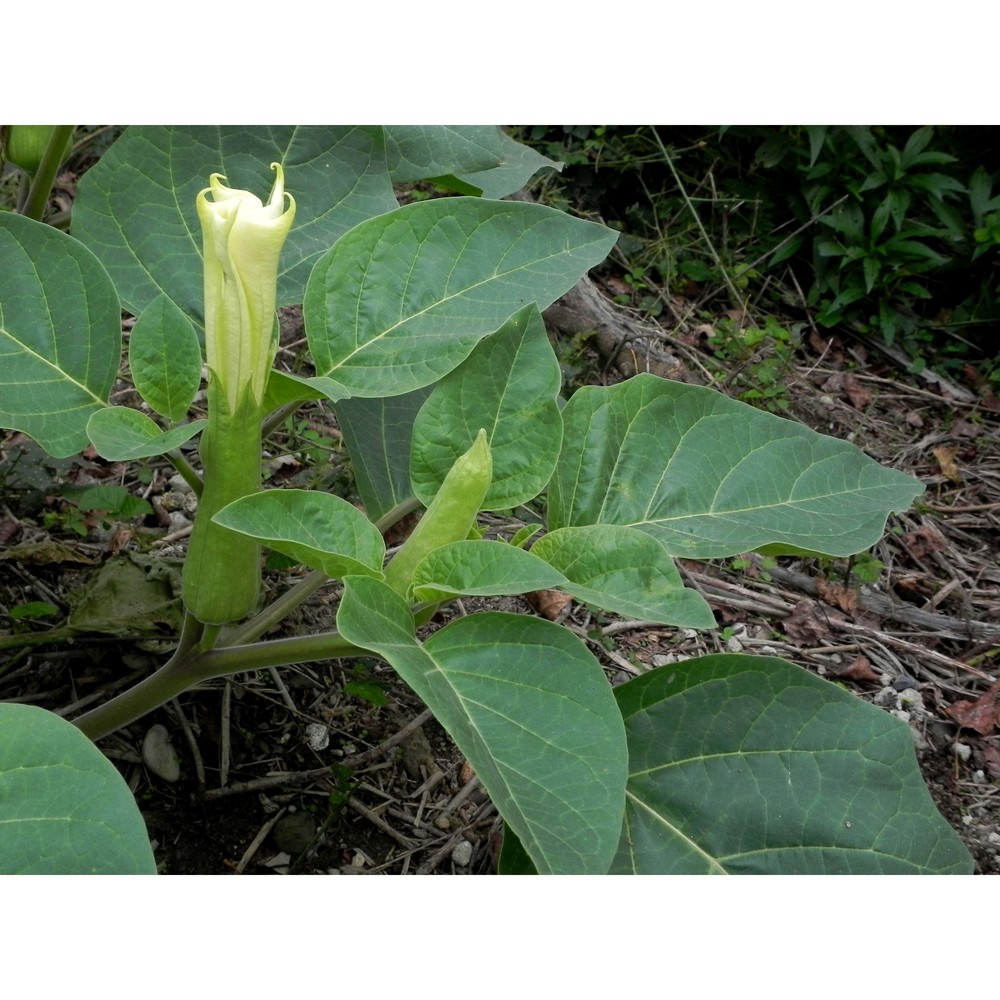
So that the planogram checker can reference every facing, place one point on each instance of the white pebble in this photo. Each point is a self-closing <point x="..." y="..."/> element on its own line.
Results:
<point x="462" y="854"/>
<point x="158" y="754"/>
<point x="317" y="736"/>
<point x="962" y="750"/>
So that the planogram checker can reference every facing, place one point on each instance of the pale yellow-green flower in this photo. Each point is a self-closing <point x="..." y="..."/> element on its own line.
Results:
<point x="243" y="238"/>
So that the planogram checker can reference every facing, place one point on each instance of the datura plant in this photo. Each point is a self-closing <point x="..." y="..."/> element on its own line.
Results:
<point x="426" y="342"/>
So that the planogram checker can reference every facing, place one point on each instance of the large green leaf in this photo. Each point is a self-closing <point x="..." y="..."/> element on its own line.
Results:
<point x="745" y="764"/>
<point x="165" y="358"/>
<point x="136" y="208"/>
<point x="60" y="334"/>
<point x="709" y="476"/>
<point x="401" y="300"/>
<point x="520" y="164"/>
<point x="623" y="570"/>
<point x="482" y="158"/>
<point x="378" y="434"/>
<point x="319" y="529"/>
<point x="64" y="809"/>
<point x="508" y="385"/>
<point x="528" y="705"/>
<point x="420" y="152"/>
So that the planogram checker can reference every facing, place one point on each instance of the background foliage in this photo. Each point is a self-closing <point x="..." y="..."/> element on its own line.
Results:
<point x="889" y="230"/>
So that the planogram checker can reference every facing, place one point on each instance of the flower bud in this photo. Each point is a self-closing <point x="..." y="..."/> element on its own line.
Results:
<point x="243" y="239"/>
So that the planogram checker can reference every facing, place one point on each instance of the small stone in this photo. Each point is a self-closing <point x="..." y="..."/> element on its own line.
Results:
<point x="962" y="751"/>
<point x="159" y="755"/>
<point x="295" y="832"/>
<point x="462" y="854"/>
<point x="443" y="823"/>
<point x="979" y="777"/>
<point x="317" y="736"/>
<point x="179" y="484"/>
<point x="887" y="698"/>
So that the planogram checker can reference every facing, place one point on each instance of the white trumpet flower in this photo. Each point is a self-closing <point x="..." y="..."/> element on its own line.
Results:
<point x="243" y="238"/>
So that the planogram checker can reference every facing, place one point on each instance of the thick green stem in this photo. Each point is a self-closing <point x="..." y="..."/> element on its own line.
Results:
<point x="222" y="569"/>
<point x="45" y="176"/>
<point x="191" y="666"/>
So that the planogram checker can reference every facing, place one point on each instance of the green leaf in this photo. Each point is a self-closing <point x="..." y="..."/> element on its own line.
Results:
<point x="136" y="207"/>
<point x="529" y="707"/>
<point x="401" y="300"/>
<point x="520" y="164"/>
<point x="60" y="335"/>
<point x="420" y="152"/>
<point x="745" y="764"/>
<point x="283" y="388"/>
<point x="116" y="500"/>
<point x="915" y="145"/>
<point x="64" y="809"/>
<point x="319" y="529"/>
<point x="378" y="433"/>
<point x="980" y="194"/>
<point x="709" y="477"/>
<point x="121" y="434"/>
<point x="508" y="385"/>
<point x="625" y="571"/>
<point x="481" y="568"/>
<point x="165" y="359"/>
<point x="817" y="137"/>
<point x="477" y="159"/>
<point x="871" y="267"/>
<point x="33" y="609"/>
<point x="513" y="858"/>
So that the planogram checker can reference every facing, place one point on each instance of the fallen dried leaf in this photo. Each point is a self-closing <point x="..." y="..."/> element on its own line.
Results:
<point x="549" y="603"/>
<point x="9" y="529"/>
<point x="979" y="715"/>
<point x="806" y="623"/>
<point x="991" y="754"/>
<point x="822" y="345"/>
<point x="837" y="596"/>
<point x="45" y="553"/>
<point x="860" y="669"/>
<point x="847" y="385"/>
<point x="946" y="462"/>
<point x="924" y="539"/>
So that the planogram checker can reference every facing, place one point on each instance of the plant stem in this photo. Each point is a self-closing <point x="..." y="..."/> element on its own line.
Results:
<point x="280" y="609"/>
<point x="187" y="471"/>
<point x="737" y="299"/>
<point x="187" y="668"/>
<point x="275" y="419"/>
<point x="45" y="176"/>
<point x="226" y="660"/>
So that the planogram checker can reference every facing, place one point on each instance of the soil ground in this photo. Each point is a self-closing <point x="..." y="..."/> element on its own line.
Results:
<point x="336" y="768"/>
